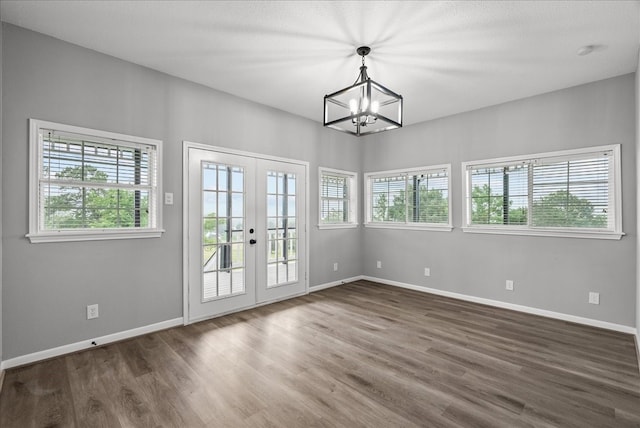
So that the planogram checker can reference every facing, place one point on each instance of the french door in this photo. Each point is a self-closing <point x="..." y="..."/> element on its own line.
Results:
<point x="245" y="231"/>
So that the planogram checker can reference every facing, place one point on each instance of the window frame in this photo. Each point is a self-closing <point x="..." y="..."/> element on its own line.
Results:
<point x="614" y="186"/>
<point x="440" y="227"/>
<point x="38" y="234"/>
<point x="352" y="189"/>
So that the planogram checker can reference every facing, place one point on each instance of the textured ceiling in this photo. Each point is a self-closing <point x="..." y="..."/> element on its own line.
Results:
<point x="444" y="57"/>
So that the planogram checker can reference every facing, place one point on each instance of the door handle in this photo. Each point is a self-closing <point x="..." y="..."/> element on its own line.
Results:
<point x="252" y="241"/>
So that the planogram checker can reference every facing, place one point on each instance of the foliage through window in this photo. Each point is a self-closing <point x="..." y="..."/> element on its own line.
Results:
<point x="564" y="192"/>
<point x="338" y="198"/>
<point x="89" y="184"/>
<point x="418" y="197"/>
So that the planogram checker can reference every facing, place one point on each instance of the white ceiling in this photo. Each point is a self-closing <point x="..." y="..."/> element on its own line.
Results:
<point x="444" y="57"/>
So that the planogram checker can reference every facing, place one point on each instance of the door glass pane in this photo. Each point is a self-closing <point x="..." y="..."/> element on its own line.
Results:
<point x="238" y="224"/>
<point x="237" y="281"/>
<point x="222" y="177"/>
<point x="222" y="210"/>
<point x="209" y="230"/>
<point x="236" y="203"/>
<point x="208" y="203"/>
<point x="222" y="230"/>
<point x="237" y="180"/>
<point x="271" y="184"/>
<point x="291" y="206"/>
<point x="282" y="240"/>
<point x="271" y="206"/>
<point x="209" y="178"/>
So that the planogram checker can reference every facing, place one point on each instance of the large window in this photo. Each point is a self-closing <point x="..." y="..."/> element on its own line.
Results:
<point x="417" y="198"/>
<point x="87" y="184"/>
<point x="338" y="199"/>
<point x="568" y="193"/>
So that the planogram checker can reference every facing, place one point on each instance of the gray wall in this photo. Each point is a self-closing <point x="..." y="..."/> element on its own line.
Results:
<point x="136" y="282"/>
<point x="0" y="194"/>
<point x="554" y="274"/>
<point x="637" y="92"/>
<point x="46" y="287"/>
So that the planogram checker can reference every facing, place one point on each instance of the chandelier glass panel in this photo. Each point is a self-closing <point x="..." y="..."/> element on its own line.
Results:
<point x="363" y="108"/>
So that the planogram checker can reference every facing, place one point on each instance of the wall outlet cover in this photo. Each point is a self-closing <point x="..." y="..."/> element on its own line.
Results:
<point x="168" y="198"/>
<point x="92" y="312"/>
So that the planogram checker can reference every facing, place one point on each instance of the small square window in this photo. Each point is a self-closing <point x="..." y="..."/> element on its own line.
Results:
<point x="338" y="199"/>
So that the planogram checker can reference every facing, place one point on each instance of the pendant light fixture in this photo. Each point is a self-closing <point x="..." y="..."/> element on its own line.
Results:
<point x="364" y="107"/>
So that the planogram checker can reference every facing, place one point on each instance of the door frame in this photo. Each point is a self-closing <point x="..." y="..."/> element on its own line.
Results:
<point x="186" y="146"/>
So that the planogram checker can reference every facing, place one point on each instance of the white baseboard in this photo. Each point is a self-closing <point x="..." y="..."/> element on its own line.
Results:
<point x="89" y="343"/>
<point x="520" y="308"/>
<point x="334" y="283"/>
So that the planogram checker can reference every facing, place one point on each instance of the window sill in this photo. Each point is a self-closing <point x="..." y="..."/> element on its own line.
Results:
<point x="338" y="226"/>
<point x="405" y="226"/>
<point x="99" y="235"/>
<point x="588" y="234"/>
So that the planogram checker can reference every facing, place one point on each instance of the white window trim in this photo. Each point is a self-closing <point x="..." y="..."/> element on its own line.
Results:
<point x="438" y="227"/>
<point x="538" y="231"/>
<point x="36" y="235"/>
<point x="353" y="198"/>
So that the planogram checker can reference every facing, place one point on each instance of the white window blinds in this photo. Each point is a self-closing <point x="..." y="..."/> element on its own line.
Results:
<point x="92" y="182"/>
<point x="571" y="191"/>
<point x="500" y="194"/>
<point x="412" y="197"/>
<point x="335" y="199"/>
<point x="338" y="198"/>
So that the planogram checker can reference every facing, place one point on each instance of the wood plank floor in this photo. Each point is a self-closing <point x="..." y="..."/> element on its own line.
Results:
<point x="358" y="355"/>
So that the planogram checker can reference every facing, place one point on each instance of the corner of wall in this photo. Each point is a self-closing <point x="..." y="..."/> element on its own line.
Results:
<point x="1" y="371"/>
<point x="637" y="117"/>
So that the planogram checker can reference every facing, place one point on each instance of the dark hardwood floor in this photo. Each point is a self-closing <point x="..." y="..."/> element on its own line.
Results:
<point x="358" y="355"/>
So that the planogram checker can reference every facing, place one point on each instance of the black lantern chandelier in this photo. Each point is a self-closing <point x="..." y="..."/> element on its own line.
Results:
<point x="364" y="107"/>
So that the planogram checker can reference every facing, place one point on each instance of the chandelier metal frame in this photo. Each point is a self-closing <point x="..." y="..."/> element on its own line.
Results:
<point x="371" y="108"/>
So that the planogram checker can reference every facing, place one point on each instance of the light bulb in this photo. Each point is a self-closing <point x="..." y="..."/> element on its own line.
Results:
<point x="353" y="106"/>
<point x="365" y="103"/>
<point x="375" y="105"/>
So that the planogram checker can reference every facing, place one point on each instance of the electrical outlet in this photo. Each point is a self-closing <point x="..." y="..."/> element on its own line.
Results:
<point x="379" y="264"/>
<point x="594" y="298"/>
<point x="335" y="267"/>
<point x="92" y="312"/>
<point x="509" y="285"/>
<point x="427" y="272"/>
<point x="168" y="198"/>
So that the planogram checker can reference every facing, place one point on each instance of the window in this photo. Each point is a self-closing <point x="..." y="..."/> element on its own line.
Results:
<point x="416" y="198"/>
<point x="338" y="199"/>
<point x="87" y="184"/>
<point x="569" y="193"/>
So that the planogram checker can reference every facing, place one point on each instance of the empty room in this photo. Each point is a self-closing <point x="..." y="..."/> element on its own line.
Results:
<point x="319" y="213"/>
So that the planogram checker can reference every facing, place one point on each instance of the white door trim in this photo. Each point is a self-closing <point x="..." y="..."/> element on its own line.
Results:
<point x="186" y="146"/>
